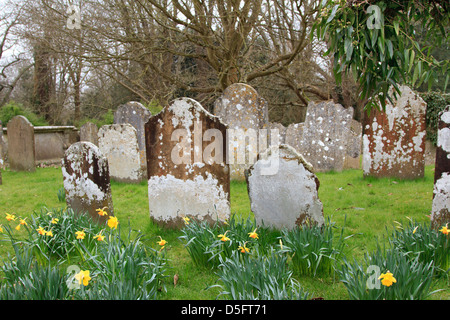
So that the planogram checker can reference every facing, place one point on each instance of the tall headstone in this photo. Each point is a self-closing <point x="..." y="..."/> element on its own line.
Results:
<point x="245" y="112"/>
<point x="440" y="213"/>
<point x="21" y="150"/>
<point x="89" y="133"/>
<point x="187" y="172"/>
<point x="137" y="115"/>
<point x="86" y="180"/>
<point x="288" y="196"/>
<point x="119" y="144"/>
<point x="394" y="140"/>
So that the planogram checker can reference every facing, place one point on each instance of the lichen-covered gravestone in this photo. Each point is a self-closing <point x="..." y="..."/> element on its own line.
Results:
<point x="21" y="149"/>
<point x="440" y="213"/>
<point x="187" y="172"/>
<point x="394" y="140"/>
<point x="245" y="112"/>
<point x="137" y="115"/>
<point x="86" y="180"/>
<point x="325" y="133"/>
<point x="294" y="136"/>
<point x="89" y="133"/>
<point x="118" y="143"/>
<point x="287" y="197"/>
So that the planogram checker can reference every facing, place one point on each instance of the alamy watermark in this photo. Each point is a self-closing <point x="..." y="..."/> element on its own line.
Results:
<point x="375" y="21"/>
<point x="74" y="19"/>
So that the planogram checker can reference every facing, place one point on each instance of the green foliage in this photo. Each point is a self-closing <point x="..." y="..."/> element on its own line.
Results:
<point x="375" y="43"/>
<point x="414" y="279"/>
<point x="106" y="118"/>
<point x="313" y="249"/>
<point x="420" y="240"/>
<point x="436" y="102"/>
<point x="12" y="109"/>
<point x="256" y="276"/>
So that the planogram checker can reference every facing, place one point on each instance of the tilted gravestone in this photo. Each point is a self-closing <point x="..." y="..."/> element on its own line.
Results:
<point x="394" y="140"/>
<point x="89" y="133"/>
<point x="119" y="144"/>
<point x="287" y="196"/>
<point x="137" y="115"/>
<point x="86" y="180"/>
<point x="187" y="172"/>
<point x="245" y="112"/>
<point x="440" y="213"/>
<point x="21" y="149"/>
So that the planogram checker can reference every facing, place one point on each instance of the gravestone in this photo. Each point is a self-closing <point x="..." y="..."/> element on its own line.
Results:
<point x="394" y="140"/>
<point x="186" y="168"/>
<point x="118" y="143"/>
<point x="354" y="146"/>
<point x="1" y="151"/>
<point x="89" y="133"/>
<point x="137" y="115"/>
<point x="288" y="196"/>
<point x="281" y="132"/>
<point x="21" y="150"/>
<point x="294" y="136"/>
<point x="440" y="213"/>
<point x="325" y="133"/>
<point x="86" y="180"/>
<point x="245" y="112"/>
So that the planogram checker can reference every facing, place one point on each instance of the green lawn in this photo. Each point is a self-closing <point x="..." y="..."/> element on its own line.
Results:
<point x="367" y="207"/>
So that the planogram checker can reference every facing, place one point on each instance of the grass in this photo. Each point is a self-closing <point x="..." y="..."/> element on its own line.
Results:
<point x="366" y="208"/>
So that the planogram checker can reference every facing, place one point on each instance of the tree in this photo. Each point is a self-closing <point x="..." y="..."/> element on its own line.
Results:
<point x="375" y="41"/>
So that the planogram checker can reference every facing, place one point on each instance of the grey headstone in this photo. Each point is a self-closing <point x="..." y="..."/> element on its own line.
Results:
<point x="118" y="143"/>
<point x="288" y="196"/>
<point x="86" y="180"/>
<point x="21" y="149"/>
<point x="89" y="133"/>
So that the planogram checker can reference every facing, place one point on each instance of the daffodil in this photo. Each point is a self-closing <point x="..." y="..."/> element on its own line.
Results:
<point x="41" y="231"/>
<point x="80" y="234"/>
<point x="83" y="277"/>
<point x="1" y="229"/>
<point x="18" y="227"/>
<point x="113" y="222"/>
<point x="10" y="217"/>
<point x="102" y="212"/>
<point x="387" y="279"/>
<point x="444" y="230"/>
<point x="162" y="242"/>
<point x="186" y="220"/>
<point x="49" y="233"/>
<point x="244" y="249"/>
<point x="224" y="237"/>
<point x="55" y="221"/>
<point x="253" y="234"/>
<point x="99" y="237"/>
<point x="415" y="229"/>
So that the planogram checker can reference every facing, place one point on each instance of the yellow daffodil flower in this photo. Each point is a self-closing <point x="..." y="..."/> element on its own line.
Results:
<point x="49" y="233"/>
<point x="244" y="249"/>
<point x="253" y="234"/>
<point x="186" y="220"/>
<point x="55" y="221"/>
<point x="18" y="227"/>
<point x="224" y="237"/>
<point x="113" y="222"/>
<point x="1" y="229"/>
<point x="41" y="231"/>
<point x="387" y="279"/>
<point x="80" y="234"/>
<point x="444" y="230"/>
<point x="99" y="237"/>
<point x="23" y="222"/>
<point x="162" y="242"/>
<point x="102" y="212"/>
<point x="83" y="277"/>
<point x="415" y="229"/>
<point x="10" y="217"/>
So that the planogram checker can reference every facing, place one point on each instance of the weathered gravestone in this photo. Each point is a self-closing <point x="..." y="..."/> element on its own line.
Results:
<point x="89" y="133"/>
<point x="119" y="144"/>
<point x="245" y="112"/>
<point x="394" y="140"/>
<point x="21" y="150"/>
<point x="288" y="196"/>
<point x="187" y="172"/>
<point x="354" y="146"/>
<point x="86" y="180"/>
<point x="440" y="213"/>
<point x="294" y="136"/>
<point x="137" y="115"/>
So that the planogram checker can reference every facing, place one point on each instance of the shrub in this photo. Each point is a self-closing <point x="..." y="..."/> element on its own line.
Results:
<point x="436" y="102"/>
<point x="12" y="109"/>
